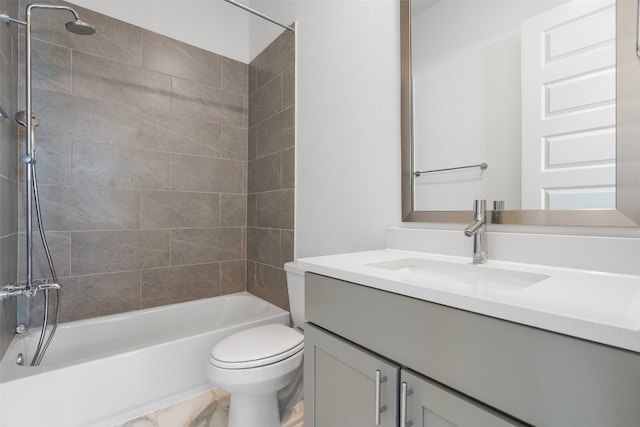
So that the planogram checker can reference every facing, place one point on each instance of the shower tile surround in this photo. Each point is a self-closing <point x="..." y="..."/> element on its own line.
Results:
<point x="270" y="204"/>
<point x="153" y="191"/>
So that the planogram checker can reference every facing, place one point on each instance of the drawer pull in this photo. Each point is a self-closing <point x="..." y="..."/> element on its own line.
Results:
<point x="404" y="393"/>
<point x="379" y="380"/>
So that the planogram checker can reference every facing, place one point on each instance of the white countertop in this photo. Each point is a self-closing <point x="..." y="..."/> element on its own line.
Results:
<point x="600" y="307"/>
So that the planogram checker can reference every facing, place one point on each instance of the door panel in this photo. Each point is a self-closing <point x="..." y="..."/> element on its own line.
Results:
<point x="568" y="107"/>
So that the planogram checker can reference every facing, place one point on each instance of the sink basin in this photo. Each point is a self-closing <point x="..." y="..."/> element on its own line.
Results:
<point x="454" y="276"/>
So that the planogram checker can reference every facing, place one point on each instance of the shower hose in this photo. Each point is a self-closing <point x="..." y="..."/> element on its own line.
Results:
<point x="42" y="345"/>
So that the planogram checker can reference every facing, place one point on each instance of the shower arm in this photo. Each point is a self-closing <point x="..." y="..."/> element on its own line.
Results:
<point x="8" y="19"/>
<point x="28" y="79"/>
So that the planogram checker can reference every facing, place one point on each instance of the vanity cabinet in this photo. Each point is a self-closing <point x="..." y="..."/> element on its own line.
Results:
<point x="486" y="371"/>
<point x="352" y="386"/>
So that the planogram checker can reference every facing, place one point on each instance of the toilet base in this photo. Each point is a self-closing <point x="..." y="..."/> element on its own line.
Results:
<point x="254" y="410"/>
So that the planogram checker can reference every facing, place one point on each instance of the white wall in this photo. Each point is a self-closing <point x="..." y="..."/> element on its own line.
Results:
<point x="348" y="115"/>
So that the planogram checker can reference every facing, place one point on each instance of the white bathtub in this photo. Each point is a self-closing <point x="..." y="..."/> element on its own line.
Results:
<point x="107" y="370"/>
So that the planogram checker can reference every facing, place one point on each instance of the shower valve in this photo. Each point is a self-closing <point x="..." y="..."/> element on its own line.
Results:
<point x="13" y="290"/>
<point x="16" y="290"/>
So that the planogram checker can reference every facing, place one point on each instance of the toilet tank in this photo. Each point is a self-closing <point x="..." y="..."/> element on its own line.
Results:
<point x="295" y="285"/>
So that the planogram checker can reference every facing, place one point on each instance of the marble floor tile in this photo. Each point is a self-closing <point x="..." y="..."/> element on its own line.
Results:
<point x="208" y="409"/>
<point x="297" y="416"/>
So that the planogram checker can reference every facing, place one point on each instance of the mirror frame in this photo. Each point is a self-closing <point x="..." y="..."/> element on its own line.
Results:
<point x="627" y="212"/>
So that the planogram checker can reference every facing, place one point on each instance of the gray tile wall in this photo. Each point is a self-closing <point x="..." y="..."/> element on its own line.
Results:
<point x="8" y="171"/>
<point x="147" y="190"/>
<point x="270" y="207"/>
<point x="142" y="164"/>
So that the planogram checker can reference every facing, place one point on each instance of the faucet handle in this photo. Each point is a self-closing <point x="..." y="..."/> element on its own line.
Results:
<point x="479" y="207"/>
<point x="498" y="205"/>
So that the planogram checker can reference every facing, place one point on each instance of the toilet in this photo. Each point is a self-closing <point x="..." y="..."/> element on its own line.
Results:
<point x="260" y="367"/>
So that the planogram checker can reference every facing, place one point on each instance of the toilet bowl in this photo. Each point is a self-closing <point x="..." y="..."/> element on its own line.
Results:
<point x="255" y="364"/>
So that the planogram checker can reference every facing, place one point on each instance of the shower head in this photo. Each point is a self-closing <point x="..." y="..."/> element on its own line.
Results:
<point x="21" y="118"/>
<point x="80" y="27"/>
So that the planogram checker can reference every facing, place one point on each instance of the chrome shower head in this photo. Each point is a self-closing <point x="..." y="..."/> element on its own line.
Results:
<point x="80" y="27"/>
<point x="21" y="118"/>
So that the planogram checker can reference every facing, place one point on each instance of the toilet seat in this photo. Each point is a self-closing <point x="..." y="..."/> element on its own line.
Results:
<point x="256" y="347"/>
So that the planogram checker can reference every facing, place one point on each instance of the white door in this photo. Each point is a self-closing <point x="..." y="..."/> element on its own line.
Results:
<point x="568" y="107"/>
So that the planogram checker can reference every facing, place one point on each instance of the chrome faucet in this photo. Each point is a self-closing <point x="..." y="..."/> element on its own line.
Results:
<point x="478" y="229"/>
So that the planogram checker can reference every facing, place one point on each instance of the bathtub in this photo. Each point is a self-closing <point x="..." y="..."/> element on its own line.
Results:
<point x="107" y="370"/>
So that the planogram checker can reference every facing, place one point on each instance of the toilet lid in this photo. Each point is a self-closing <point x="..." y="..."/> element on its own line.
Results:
<point x="259" y="346"/>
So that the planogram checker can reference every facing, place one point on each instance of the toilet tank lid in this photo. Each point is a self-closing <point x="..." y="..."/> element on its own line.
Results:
<point x="266" y="342"/>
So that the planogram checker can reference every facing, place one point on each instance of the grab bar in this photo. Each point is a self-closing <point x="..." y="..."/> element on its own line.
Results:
<point x="482" y="166"/>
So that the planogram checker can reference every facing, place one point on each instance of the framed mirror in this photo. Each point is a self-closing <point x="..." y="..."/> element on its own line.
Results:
<point x="532" y="104"/>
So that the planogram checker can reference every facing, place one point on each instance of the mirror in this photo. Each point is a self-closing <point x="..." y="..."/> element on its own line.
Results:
<point x="515" y="101"/>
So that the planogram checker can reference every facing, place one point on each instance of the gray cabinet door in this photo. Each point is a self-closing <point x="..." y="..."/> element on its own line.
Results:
<point x="428" y="404"/>
<point x="340" y="384"/>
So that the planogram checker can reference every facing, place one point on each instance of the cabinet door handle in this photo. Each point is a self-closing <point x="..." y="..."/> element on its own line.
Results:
<point x="379" y="380"/>
<point x="404" y="392"/>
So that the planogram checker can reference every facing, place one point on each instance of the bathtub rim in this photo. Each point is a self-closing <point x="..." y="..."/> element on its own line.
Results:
<point x="10" y="371"/>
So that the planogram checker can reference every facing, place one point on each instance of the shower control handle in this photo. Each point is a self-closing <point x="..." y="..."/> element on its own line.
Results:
<point x="45" y="286"/>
